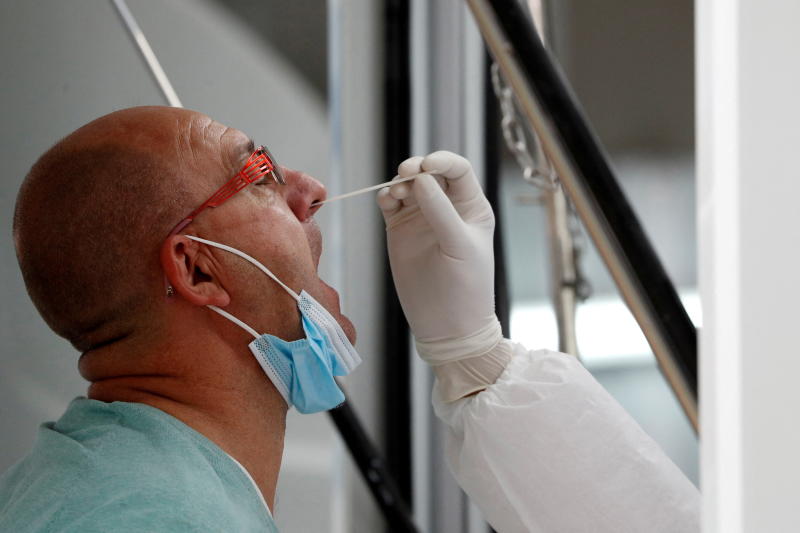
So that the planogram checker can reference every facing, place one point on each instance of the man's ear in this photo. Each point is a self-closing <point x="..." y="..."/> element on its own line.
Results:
<point x="188" y="270"/>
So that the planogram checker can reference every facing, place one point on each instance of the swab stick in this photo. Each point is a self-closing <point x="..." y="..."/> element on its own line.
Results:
<point x="365" y="189"/>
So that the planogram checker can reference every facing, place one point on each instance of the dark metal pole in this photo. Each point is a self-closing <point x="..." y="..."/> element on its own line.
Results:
<point x="397" y="147"/>
<point x="373" y="469"/>
<point x="492" y="157"/>
<point x="585" y="173"/>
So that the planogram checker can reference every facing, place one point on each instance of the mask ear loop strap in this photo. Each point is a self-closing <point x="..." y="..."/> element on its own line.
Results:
<point x="249" y="259"/>
<point x="235" y="320"/>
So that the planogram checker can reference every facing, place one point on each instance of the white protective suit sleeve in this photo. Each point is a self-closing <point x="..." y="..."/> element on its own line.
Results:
<point x="534" y="440"/>
<point x="547" y="449"/>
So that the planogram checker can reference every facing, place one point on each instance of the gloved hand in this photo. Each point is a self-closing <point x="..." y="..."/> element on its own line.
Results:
<point x="439" y="235"/>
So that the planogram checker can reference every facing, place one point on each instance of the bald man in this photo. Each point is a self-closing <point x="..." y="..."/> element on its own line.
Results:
<point x="181" y="429"/>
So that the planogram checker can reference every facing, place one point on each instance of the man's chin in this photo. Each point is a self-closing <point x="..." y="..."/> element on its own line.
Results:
<point x="332" y="299"/>
<point x="348" y="328"/>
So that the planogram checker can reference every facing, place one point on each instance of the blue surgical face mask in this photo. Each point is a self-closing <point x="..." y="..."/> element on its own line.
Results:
<point x="303" y="370"/>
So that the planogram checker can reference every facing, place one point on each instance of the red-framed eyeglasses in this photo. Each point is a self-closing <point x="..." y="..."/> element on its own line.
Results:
<point x="260" y="165"/>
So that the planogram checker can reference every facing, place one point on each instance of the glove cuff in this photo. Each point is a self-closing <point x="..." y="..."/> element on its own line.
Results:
<point x="468" y="376"/>
<point x="447" y="350"/>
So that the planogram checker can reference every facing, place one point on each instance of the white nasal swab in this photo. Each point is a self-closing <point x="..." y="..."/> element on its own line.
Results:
<point x="365" y="189"/>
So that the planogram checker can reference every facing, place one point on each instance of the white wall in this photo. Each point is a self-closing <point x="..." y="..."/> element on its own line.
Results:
<point x="65" y="63"/>
<point x="748" y="81"/>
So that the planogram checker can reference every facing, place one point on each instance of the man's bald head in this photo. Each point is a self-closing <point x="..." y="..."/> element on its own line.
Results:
<point x="95" y="208"/>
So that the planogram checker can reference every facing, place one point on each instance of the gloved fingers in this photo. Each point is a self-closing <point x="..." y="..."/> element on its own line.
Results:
<point x="410" y="167"/>
<point x="441" y="215"/>
<point x="447" y="164"/>
<point x="402" y="192"/>
<point x="392" y="198"/>
<point x="389" y="204"/>
<point x="462" y="184"/>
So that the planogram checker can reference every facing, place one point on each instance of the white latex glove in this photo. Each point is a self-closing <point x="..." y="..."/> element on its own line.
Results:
<point x="439" y="235"/>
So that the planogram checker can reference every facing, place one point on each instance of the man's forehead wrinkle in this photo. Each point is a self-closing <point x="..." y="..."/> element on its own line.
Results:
<point x="238" y="149"/>
<point x="207" y="148"/>
<point x="191" y="139"/>
<point x="207" y="129"/>
<point x="183" y="147"/>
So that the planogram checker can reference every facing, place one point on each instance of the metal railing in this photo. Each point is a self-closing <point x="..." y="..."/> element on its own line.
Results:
<point x="547" y="103"/>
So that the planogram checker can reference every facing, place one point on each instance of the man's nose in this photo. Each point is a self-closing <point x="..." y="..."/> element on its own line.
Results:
<point x="301" y="191"/>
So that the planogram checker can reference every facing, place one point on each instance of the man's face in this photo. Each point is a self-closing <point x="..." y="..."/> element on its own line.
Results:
<point x="271" y="222"/>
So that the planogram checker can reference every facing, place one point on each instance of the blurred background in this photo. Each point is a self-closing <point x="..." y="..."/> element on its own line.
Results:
<point x="309" y="79"/>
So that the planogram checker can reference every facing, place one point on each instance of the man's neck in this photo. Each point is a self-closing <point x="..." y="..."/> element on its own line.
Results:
<point x="219" y="392"/>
